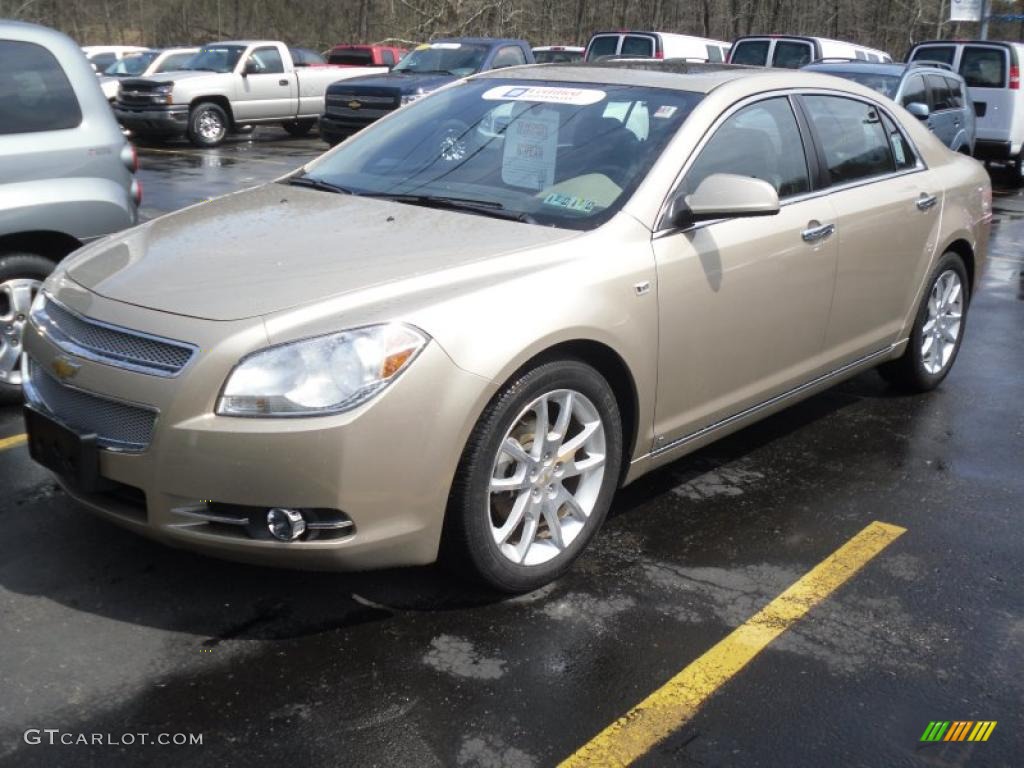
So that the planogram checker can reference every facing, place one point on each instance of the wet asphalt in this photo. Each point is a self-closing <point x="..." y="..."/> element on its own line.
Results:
<point x="104" y="632"/>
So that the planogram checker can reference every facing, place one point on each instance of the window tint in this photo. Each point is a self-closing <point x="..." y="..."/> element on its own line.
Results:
<point x="852" y="138"/>
<point x="750" y="52"/>
<point x="509" y="56"/>
<point x="940" y="93"/>
<point x="268" y="60"/>
<point x="983" y="67"/>
<point x="388" y="58"/>
<point x="714" y="53"/>
<point x="603" y="45"/>
<point x="940" y="53"/>
<point x="902" y="152"/>
<point x="791" y="55"/>
<point x="914" y="92"/>
<point x="35" y="94"/>
<point x="956" y="93"/>
<point x="637" y="46"/>
<point x="762" y="141"/>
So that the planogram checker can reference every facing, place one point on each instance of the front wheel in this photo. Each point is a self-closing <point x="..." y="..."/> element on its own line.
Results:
<point x="21" y="276"/>
<point x="298" y="128"/>
<point x="938" y="330"/>
<point x="207" y="124"/>
<point x="536" y="477"/>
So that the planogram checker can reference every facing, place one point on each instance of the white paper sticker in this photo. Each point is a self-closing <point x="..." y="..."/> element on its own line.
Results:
<point x="665" y="111"/>
<point x="531" y="146"/>
<point x="445" y="46"/>
<point x="579" y="97"/>
<point x="897" y="149"/>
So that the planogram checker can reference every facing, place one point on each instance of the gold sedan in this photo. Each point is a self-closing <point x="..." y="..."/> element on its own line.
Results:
<point x="459" y="332"/>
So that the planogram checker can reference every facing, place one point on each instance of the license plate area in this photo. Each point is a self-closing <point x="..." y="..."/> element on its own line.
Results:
<point x="59" y="448"/>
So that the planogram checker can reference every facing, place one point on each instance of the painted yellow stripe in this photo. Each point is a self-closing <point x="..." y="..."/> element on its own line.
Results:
<point x="988" y="731"/>
<point x="981" y="726"/>
<point x="678" y="700"/>
<point x="11" y="442"/>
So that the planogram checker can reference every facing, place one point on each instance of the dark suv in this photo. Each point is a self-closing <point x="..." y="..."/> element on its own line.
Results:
<point x="355" y="103"/>
<point x="931" y="91"/>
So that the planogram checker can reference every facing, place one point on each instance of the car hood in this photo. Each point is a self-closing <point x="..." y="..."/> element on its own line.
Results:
<point x="403" y="83"/>
<point x="276" y="247"/>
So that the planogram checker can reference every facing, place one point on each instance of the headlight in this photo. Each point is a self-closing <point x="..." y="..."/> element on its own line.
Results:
<point x="409" y="98"/>
<point x="325" y="374"/>
<point x="162" y="94"/>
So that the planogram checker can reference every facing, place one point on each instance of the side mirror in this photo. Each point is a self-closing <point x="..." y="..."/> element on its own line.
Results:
<point x="250" y="68"/>
<point x="918" y="110"/>
<point x="724" y="196"/>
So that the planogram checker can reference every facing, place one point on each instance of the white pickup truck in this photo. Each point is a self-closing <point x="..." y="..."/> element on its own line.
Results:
<point x="229" y="85"/>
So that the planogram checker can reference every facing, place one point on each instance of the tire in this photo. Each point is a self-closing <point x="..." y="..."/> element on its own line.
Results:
<point x="21" y="275"/>
<point x="1017" y="169"/>
<point x="477" y="516"/>
<point x="298" y="128"/>
<point x="917" y="370"/>
<point x="207" y="124"/>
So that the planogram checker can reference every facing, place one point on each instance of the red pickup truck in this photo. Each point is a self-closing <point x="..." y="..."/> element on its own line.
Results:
<point x="365" y="55"/>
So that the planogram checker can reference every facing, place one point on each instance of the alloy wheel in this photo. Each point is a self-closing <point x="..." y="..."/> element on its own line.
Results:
<point x="210" y="125"/>
<point x="943" y="322"/>
<point x="15" y="301"/>
<point x="546" y="477"/>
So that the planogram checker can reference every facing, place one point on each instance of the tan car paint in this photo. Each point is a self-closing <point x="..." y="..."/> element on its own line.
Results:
<point x="737" y="309"/>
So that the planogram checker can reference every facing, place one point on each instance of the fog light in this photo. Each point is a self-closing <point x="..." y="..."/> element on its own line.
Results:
<point x="285" y="524"/>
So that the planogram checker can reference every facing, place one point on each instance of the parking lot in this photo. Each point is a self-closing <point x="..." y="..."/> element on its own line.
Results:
<point x="104" y="632"/>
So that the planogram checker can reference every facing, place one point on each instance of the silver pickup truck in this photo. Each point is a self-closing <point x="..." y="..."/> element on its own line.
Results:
<point x="230" y="84"/>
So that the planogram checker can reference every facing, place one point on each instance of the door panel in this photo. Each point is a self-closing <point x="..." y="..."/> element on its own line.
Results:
<point x="270" y="94"/>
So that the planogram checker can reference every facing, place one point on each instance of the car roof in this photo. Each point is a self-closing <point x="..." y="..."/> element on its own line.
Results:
<point x="480" y="40"/>
<point x="652" y="73"/>
<point x="896" y="69"/>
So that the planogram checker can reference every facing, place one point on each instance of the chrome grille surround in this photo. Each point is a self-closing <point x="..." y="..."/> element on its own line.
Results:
<point x="110" y="344"/>
<point x="118" y="426"/>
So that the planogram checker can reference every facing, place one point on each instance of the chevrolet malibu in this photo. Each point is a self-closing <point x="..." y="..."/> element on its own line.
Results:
<point x="458" y="333"/>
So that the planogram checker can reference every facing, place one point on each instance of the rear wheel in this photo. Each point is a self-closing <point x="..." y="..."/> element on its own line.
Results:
<point x="21" y="276"/>
<point x="298" y="127"/>
<point x="536" y="477"/>
<point x="207" y="124"/>
<point x="938" y="330"/>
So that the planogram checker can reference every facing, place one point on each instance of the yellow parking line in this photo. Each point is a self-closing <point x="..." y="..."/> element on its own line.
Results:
<point x="11" y="442"/>
<point x="678" y="700"/>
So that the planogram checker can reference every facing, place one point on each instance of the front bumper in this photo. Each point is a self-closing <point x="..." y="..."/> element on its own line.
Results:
<point x="387" y="465"/>
<point x="344" y="126"/>
<point x="153" y="120"/>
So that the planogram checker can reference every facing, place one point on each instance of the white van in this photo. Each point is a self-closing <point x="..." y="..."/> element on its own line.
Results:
<point x="792" y="52"/>
<point x="655" y="45"/>
<point x="102" y="56"/>
<point x="992" y="72"/>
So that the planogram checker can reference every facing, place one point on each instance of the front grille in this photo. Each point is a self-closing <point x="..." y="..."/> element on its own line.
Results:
<point x="109" y="344"/>
<point x="115" y="424"/>
<point x="370" y="106"/>
<point x="365" y="100"/>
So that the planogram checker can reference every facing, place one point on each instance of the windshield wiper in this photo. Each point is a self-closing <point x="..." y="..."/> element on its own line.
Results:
<point x="490" y="208"/>
<point x="320" y="184"/>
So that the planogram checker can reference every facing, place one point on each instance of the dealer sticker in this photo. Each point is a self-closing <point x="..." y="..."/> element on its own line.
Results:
<point x="531" y="146"/>
<point x="578" y="97"/>
<point x="570" y="202"/>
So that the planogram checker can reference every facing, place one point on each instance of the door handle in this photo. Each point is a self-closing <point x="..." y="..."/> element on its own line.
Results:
<point x="925" y="201"/>
<point x="816" y="231"/>
<point x="282" y="82"/>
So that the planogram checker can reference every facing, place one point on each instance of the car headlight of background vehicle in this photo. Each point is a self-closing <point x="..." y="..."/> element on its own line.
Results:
<point x="321" y="375"/>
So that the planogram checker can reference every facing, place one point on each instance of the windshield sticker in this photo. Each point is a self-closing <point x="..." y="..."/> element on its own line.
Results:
<point x="570" y="203"/>
<point x="531" y="145"/>
<point x="665" y="111"/>
<point x="897" y="148"/>
<point x="579" y="97"/>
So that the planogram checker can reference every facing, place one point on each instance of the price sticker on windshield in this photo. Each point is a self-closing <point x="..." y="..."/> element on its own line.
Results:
<point x="577" y="97"/>
<point x="531" y="146"/>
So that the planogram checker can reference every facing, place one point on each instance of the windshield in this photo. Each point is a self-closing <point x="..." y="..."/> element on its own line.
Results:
<point x="459" y="59"/>
<point x="557" y="57"/>
<point x="887" y="85"/>
<point x="175" y="62"/>
<point x="216" y="58"/>
<point x="131" y="65"/>
<point x="560" y="154"/>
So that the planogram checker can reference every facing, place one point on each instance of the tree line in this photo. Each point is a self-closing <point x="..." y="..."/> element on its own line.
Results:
<point x="891" y="25"/>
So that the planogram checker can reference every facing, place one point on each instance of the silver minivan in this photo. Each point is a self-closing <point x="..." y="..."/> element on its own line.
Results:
<point x="66" y="172"/>
<point x="992" y="72"/>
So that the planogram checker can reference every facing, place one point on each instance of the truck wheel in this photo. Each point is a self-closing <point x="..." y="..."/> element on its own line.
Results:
<point x="21" y="276"/>
<point x="298" y="127"/>
<point x="207" y="124"/>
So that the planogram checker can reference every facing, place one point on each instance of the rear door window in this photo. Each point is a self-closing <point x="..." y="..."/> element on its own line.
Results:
<point x="635" y="45"/>
<point x="983" y="67"/>
<point x="852" y="137"/>
<point x="603" y="45"/>
<point x="956" y="94"/>
<point x="903" y="153"/>
<point x="509" y="56"/>
<point x="35" y="94"/>
<point x="750" y="52"/>
<point x="941" y="53"/>
<point x="791" y="54"/>
<point x="939" y="91"/>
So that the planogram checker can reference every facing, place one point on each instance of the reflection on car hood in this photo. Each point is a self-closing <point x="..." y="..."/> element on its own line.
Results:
<point x="168" y="77"/>
<point x="276" y="247"/>
<point x="410" y="83"/>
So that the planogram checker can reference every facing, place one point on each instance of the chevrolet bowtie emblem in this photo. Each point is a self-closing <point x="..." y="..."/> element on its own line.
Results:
<point x="355" y="104"/>
<point x="64" y="367"/>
